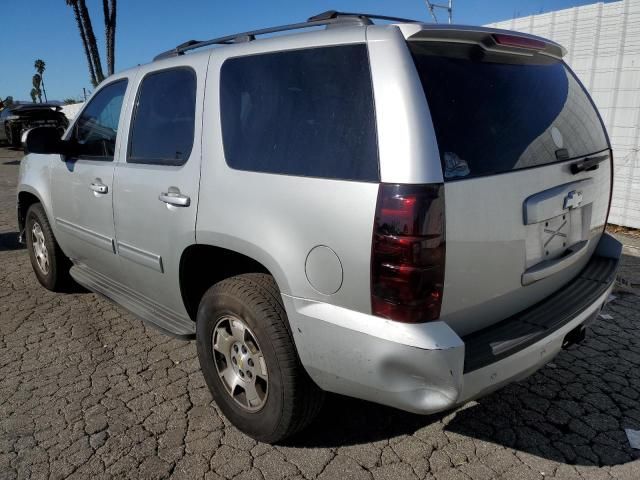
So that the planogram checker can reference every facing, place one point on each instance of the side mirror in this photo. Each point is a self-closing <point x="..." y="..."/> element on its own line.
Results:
<point x="45" y="140"/>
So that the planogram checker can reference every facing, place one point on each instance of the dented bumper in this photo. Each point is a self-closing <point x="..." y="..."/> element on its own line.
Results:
<point x="425" y="368"/>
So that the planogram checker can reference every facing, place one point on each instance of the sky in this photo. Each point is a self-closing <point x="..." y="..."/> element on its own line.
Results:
<point x="47" y="29"/>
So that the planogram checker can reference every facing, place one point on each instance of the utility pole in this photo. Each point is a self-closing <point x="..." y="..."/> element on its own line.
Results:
<point x="448" y="7"/>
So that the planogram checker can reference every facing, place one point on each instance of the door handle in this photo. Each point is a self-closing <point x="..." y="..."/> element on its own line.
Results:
<point x="174" y="198"/>
<point x="98" y="187"/>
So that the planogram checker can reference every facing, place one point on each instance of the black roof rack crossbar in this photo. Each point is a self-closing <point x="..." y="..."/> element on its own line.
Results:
<point x="329" y="14"/>
<point x="328" y="18"/>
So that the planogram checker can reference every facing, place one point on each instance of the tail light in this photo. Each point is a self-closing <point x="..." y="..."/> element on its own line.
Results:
<point x="611" y="180"/>
<point x="408" y="253"/>
<point x="507" y="40"/>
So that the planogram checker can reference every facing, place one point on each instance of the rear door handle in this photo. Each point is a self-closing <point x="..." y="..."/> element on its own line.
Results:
<point x="175" y="198"/>
<point x="98" y="187"/>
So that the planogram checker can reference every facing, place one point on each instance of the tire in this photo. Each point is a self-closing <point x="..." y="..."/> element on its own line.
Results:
<point x="13" y="137"/>
<point x="53" y="273"/>
<point x="7" y="135"/>
<point x="287" y="399"/>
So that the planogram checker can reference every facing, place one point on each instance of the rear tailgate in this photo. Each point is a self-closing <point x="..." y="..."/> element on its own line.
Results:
<point x="527" y="170"/>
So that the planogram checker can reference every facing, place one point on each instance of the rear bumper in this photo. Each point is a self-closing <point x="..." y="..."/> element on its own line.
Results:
<point x="426" y="368"/>
<point x="523" y="362"/>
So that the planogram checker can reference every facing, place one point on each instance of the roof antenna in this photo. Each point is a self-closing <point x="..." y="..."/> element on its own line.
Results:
<point x="432" y="7"/>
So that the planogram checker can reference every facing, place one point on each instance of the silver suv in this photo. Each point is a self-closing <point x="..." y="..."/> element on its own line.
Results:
<point x="405" y="213"/>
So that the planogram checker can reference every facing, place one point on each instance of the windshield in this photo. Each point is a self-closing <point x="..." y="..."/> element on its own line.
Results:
<point x="498" y="113"/>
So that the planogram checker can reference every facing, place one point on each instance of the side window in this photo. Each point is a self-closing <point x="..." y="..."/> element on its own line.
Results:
<point x="302" y="112"/>
<point x="97" y="126"/>
<point x="164" y="119"/>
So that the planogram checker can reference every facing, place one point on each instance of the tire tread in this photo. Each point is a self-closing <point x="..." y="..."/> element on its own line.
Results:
<point x="260" y="292"/>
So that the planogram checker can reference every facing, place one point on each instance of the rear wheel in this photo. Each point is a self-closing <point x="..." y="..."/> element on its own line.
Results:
<point x="50" y="265"/>
<point x="249" y="360"/>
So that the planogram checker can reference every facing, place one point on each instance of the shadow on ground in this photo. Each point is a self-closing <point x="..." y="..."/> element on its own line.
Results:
<point x="9" y="241"/>
<point x="573" y="411"/>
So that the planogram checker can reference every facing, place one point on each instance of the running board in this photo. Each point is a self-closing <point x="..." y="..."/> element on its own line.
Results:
<point x="142" y="307"/>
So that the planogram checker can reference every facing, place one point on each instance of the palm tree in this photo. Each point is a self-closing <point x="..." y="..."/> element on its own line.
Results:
<point x="40" y="68"/>
<point x="91" y="39"/>
<point x="109" y="9"/>
<point x="85" y="43"/>
<point x="89" y="43"/>
<point x="36" y="91"/>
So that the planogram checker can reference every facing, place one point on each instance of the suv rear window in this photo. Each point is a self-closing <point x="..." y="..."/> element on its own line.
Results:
<point x="302" y="112"/>
<point x="498" y="113"/>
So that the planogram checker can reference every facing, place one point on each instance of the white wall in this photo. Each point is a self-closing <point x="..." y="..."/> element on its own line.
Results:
<point x="603" y="40"/>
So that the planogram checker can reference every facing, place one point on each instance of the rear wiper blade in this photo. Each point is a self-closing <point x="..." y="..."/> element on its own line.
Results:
<point x="587" y="164"/>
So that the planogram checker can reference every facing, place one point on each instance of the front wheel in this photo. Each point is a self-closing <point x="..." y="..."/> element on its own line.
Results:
<point x="49" y="263"/>
<point x="249" y="360"/>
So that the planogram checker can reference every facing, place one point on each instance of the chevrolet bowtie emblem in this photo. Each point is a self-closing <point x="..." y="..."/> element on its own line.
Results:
<point x="573" y="200"/>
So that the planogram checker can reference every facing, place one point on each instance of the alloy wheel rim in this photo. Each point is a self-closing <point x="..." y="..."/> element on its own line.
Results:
<point x="40" y="248"/>
<point x="240" y="363"/>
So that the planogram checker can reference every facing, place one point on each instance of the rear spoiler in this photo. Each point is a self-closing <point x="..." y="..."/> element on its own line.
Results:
<point x="490" y="39"/>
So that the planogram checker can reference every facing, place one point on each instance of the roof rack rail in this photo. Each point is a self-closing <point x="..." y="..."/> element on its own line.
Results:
<point x="332" y="14"/>
<point x="328" y="18"/>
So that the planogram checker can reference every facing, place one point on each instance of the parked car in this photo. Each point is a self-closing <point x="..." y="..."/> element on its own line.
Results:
<point x="405" y="213"/>
<point x="16" y="119"/>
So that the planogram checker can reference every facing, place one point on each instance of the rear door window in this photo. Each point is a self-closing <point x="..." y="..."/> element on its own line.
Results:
<point x="303" y="112"/>
<point x="495" y="114"/>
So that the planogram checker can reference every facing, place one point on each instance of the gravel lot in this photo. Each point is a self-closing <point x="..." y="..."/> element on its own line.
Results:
<point x="87" y="391"/>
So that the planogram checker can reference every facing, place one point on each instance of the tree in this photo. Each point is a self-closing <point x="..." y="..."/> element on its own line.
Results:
<point x="91" y="39"/>
<point x="40" y="68"/>
<point x="109" y="9"/>
<point x="7" y="102"/>
<point x="83" y="20"/>
<point x="36" y="92"/>
<point x="85" y="42"/>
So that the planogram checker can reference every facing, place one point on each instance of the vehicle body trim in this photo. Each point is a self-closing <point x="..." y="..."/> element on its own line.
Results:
<point x="95" y="238"/>
<point x="553" y="202"/>
<point x="401" y="105"/>
<point x="140" y="256"/>
<point x="547" y="268"/>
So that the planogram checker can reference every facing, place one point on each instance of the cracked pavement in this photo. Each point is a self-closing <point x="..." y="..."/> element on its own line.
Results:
<point x="88" y="391"/>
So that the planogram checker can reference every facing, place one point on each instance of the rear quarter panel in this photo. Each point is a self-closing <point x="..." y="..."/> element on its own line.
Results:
<point x="278" y="219"/>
